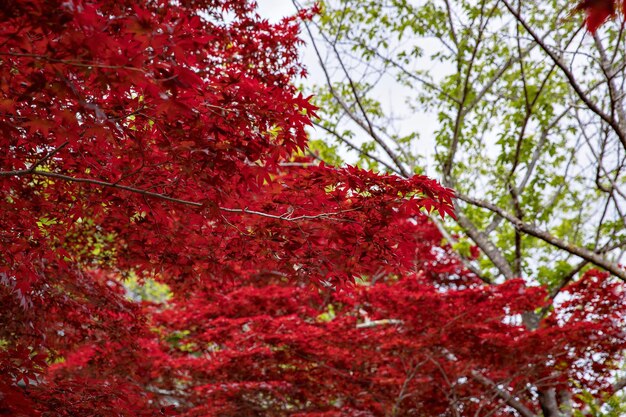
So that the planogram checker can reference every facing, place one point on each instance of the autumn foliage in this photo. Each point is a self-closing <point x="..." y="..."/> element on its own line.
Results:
<point x="165" y="143"/>
<point x="599" y="11"/>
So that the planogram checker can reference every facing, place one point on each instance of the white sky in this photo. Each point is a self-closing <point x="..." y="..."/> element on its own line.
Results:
<point x="386" y="92"/>
<point x="274" y="10"/>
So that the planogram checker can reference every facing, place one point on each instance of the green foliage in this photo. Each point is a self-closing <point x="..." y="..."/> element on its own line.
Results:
<point x="326" y="151"/>
<point x="146" y="289"/>
<point x="615" y="406"/>
<point x="328" y="315"/>
<point x="505" y="117"/>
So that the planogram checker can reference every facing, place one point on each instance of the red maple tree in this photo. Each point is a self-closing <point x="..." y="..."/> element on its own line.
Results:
<point x="165" y="140"/>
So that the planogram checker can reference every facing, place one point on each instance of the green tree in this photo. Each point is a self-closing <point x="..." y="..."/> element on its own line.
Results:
<point x="529" y="122"/>
<point x="523" y="107"/>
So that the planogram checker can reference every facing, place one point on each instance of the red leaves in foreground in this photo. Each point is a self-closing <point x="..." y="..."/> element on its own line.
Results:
<point x="599" y="11"/>
<point x="274" y="347"/>
<point x="160" y="142"/>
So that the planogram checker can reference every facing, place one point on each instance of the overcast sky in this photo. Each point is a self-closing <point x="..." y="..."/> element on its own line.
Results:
<point x="391" y="97"/>
<point x="274" y="10"/>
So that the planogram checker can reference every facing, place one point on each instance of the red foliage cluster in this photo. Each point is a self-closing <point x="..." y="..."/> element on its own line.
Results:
<point x="597" y="12"/>
<point x="401" y="347"/>
<point x="165" y="140"/>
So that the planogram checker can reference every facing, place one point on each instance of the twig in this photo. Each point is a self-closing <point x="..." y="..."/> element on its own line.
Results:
<point x="286" y="216"/>
<point x="376" y="323"/>
<point x="88" y="64"/>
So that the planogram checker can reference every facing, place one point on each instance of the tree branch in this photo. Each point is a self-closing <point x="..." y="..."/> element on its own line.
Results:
<point x="285" y="216"/>
<point x="549" y="405"/>
<point x="532" y="230"/>
<point x="486" y="245"/>
<point x="570" y="77"/>
<point x="356" y="148"/>
<point x="506" y="396"/>
<point x="466" y="262"/>
<point x="376" y="323"/>
<point x="365" y="125"/>
<point x="75" y="63"/>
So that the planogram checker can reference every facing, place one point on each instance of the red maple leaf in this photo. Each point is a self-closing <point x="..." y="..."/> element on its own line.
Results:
<point x="598" y="11"/>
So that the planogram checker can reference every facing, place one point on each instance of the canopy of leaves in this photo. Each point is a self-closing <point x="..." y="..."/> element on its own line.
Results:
<point x="169" y="247"/>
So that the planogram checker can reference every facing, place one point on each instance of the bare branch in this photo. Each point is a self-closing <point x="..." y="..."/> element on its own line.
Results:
<point x="356" y="148"/>
<point x="451" y="23"/>
<point x="376" y="323"/>
<point x="48" y="156"/>
<point x="366" y="124"/>
<point x="486" y="245"/>
<point x="75" y="63"/>
<point x="466" y="262"/>
<point x="549" y="405"/>
<point x="532" y="230"/>
<point x="504" y="395"/>
<point x="285" y="216"/>
<point x="447" y="166"/>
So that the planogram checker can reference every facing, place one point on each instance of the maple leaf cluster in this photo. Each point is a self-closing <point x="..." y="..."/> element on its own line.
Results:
<point x="165" y="143"/>
<point x="597" y="12"/>
<point x="401" y="347"/>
